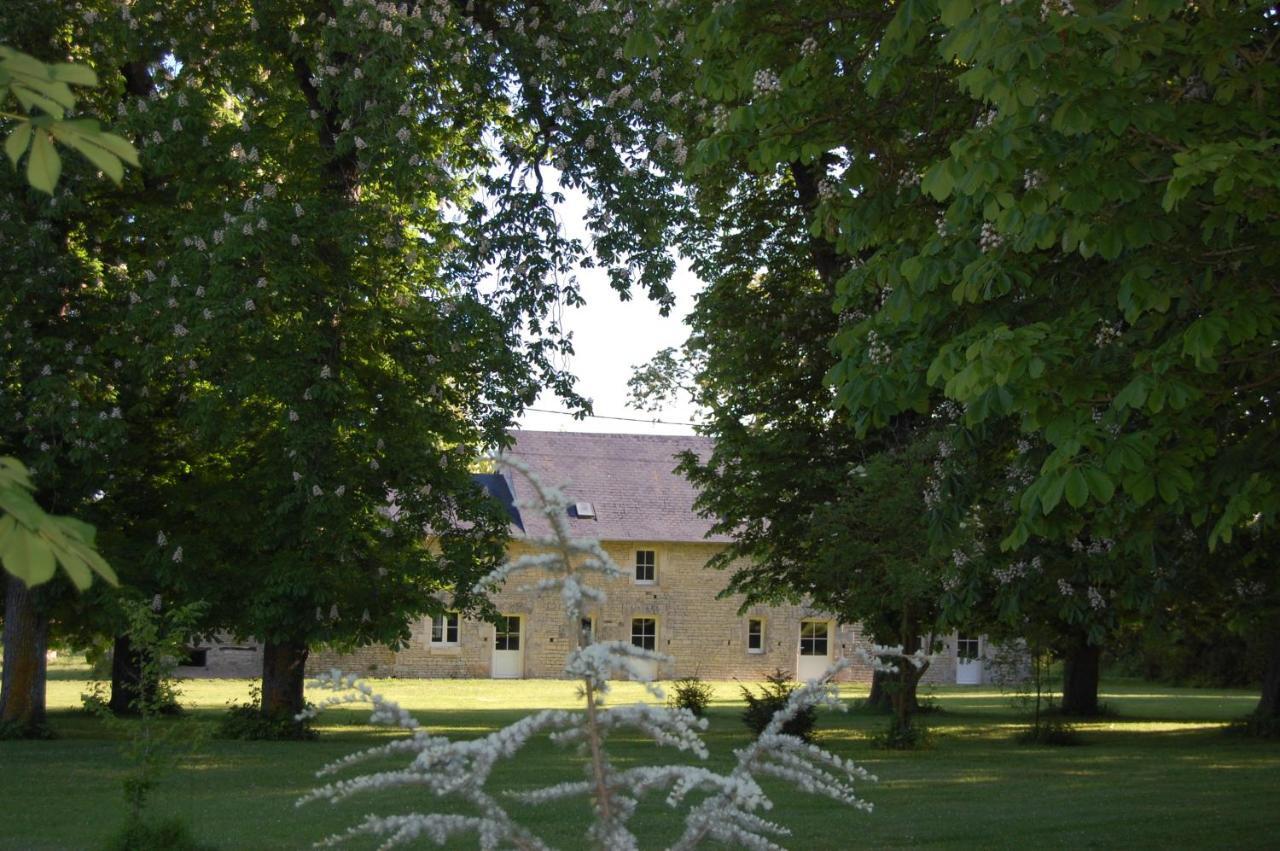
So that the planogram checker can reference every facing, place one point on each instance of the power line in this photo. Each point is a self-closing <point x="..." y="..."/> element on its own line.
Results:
<point x="606" y="417"/>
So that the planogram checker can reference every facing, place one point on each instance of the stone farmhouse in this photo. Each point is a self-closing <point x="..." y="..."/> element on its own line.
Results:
<point x="625" y="493"/>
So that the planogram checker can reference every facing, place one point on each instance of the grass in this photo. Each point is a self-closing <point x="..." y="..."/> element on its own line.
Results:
<point x="1161" y="770"/>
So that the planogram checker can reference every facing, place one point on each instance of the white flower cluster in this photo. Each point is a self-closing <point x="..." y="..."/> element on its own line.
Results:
<point x="766" y="82"/>
<point x="877" y="349"/>
<point x="989" y="239"/>
<point x="809" y="46"/>
<point x="1096" y="600"/>
<point x="1032" y="179"/>
<point x="727" y="805"/>
<point x="1108" y="333"/>
<point x="1005" y="575"/>
<point x="1245" y="589"/>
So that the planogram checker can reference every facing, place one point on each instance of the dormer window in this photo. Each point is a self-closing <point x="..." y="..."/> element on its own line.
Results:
<point x="584" y="510"/>
<point x="646" y="572"/>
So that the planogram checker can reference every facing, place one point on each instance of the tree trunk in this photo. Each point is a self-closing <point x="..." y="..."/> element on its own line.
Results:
<point x="26" y="635"/>
<point x="1080" y="680"/>
<point x="1268" y="708"/>
<point x="126" y="676"/>
<point x="283" y="672"/>
<point x="879" y="698"/>
<point x="904" y="691"/>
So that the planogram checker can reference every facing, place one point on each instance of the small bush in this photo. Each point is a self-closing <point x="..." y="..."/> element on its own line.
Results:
<point x="169" y="835"/>
<point x="773" y="696"/>
<point x="691" y="693"/>
<point x="1052" y="731"/>
<point x="246" y="722"/>
<point x="912" y="736"/>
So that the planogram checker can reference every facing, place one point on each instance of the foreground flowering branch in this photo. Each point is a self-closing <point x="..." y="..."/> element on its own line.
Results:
<point x="730" y="804"/>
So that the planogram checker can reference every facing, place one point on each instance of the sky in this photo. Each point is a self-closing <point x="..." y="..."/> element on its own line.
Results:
<point x="610" y="337"/>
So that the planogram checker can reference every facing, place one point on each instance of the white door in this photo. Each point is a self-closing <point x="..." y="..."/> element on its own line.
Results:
<point x="815" y="650"/>
<point x="968" y="661"/>
<point x="508" y="650"/>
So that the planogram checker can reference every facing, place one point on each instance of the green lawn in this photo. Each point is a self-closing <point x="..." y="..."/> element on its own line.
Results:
<point x="1160" y="771"/>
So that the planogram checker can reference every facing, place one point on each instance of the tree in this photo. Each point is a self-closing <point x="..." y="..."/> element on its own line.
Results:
<point x="336" y="275"/>
<point x="815" y="513"/>
<point x="1112" y="154"/>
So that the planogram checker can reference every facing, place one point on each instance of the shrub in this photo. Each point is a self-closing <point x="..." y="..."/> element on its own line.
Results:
<point x="904" y="737"/>
<point x="169" y="835"/>
<point x="245" y="721"/>
<point x="774" y="695"/>
<point x="691" y="693"/>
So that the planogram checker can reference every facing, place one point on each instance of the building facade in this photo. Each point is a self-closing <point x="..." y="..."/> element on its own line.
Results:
<point x="624" y="492"/>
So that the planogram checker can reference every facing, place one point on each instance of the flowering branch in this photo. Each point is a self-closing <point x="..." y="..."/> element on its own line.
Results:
<point x="729" y="812"/>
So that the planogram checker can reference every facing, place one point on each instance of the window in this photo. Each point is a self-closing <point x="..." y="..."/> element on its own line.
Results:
<point x="966" y="648"/>
<point x="506" y="635"/>
<point x="587" y="631"/>
<point x="813" y="638"/>
<point x="755" y="635"/>
<point x="646" y="566"/>
<point x="644" y="633"/>
<point x="444" y="628"/>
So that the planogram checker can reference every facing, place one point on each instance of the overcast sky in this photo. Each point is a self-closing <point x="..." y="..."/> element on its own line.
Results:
<point x="611" y="336"/>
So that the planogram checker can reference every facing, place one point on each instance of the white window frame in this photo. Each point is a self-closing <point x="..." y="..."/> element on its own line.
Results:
<point x="826" y="638"/>
<point x="632" y="633"/>
<point x="519" y="634"/>
<point x="635" y="567"/>
<point x="761" y="648"/>
<point x="440" y="626"/>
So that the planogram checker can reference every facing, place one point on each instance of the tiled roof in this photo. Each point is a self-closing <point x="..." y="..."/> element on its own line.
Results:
<point x="629" y="479"/>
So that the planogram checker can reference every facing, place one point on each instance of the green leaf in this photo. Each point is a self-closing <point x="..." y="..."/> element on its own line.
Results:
<point x="1052" y="494"/>
<point x="1077" y="488"/>
<point x="1100" y="484"/>
<point x="16" y="555"/>
<point x="108" y="162"/>
<point x="119" y="146"/>
<point x="40" y="563"/>
<point x="955" y="11"/>
<point x="77" y="75"/>
<point x="44" y="166"/>
<point x="938" y="181"/>
<point x="1141" y="486"/>
<point x="16" y="145"/>
<point x="1035" y="368"/>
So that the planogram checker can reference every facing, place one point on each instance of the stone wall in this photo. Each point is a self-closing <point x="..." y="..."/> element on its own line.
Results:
<point x="705" y="636"/>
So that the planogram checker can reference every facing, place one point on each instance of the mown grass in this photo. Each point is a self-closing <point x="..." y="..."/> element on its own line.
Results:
<point x="1161" y="770"/>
